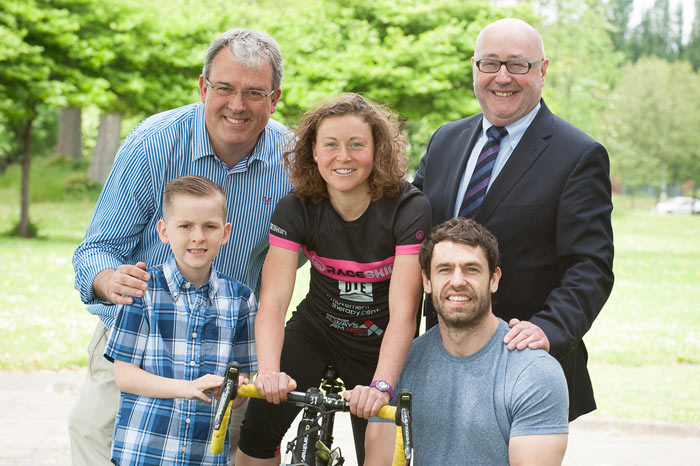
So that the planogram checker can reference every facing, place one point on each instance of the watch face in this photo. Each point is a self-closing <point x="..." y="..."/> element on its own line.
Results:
<point x="382" y="385"/>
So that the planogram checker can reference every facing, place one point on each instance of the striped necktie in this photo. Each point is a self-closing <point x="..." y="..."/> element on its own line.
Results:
<point x="476" y="191"/>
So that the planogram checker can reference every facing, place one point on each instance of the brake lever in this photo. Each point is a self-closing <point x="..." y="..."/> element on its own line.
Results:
<point x="228" y="392"/>
<point x="403" y="419"/>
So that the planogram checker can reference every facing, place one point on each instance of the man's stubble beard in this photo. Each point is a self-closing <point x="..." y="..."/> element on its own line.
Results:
<point x="464" y="321"/>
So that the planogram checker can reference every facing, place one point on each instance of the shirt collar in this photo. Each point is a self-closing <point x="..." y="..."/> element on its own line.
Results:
<point x="517" y="129"/>
<point x="201" y="145"/>
<point x="177" y="284"/>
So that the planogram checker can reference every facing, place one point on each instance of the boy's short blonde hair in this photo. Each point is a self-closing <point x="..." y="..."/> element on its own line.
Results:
<point x="195" y="186"/>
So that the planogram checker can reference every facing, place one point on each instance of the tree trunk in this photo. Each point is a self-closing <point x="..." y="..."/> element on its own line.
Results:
<point x="108" y="139"/>
<point x="26" y="140"/>
<point x="70" y="136"/>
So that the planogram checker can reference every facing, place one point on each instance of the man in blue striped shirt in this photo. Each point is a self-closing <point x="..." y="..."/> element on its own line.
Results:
<point x="228" y="138"/>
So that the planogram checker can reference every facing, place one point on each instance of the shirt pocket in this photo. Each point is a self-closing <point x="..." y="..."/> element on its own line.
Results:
<point x="217" y="348"/>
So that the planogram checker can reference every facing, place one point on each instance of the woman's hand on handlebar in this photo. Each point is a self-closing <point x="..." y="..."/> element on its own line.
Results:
<point x="239" y="400"/>
<point x="274" y="386"/>
<point x="365" y="402"/>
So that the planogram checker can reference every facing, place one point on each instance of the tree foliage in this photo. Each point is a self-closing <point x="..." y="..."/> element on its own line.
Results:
<point x="127" y="58"/>
<point x="691" y="52"/>
<point x="584" y="65"/>
<point x="413" y="56"/>
<point x="654" y="120"/>
<point x="35" y="40"/>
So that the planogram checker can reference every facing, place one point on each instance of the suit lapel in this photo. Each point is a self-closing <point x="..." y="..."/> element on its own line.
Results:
<point x="463" y="145"/>
<point x="533" y="143"/>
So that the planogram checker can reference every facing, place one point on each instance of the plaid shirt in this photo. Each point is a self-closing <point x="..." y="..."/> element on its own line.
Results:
<point x="178" y="332"/>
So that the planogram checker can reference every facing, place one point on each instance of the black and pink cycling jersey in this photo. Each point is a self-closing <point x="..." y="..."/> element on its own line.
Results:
<point x="351" y="262"/>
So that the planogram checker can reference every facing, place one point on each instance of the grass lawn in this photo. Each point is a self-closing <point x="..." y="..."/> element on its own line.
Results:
<point x="644" y="347"/>
<point x="43" y="324"/>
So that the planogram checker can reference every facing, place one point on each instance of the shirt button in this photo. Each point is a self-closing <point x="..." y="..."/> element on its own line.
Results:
<point x="184" y="449"/>
<point x="187" y="421"/>
<point x="194" y="334"/>
<point x="191" y="363"/>
<point x="187" y="285"/>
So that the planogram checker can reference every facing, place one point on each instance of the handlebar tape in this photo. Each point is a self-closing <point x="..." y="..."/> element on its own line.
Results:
<point x="218" y="436"/>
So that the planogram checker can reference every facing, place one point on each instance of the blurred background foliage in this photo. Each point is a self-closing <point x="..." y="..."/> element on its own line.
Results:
<point x="632" y="84"/>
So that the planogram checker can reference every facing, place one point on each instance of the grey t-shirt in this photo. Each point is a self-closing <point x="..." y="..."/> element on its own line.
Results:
<point x="465" y="409"/>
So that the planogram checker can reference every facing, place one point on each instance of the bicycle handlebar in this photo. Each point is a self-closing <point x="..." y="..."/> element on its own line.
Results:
<point x="401" y="415"/>
<point x="317" y="400"/>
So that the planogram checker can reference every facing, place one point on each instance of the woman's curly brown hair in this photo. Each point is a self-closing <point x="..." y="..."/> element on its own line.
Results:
<point x="388" y="168"/>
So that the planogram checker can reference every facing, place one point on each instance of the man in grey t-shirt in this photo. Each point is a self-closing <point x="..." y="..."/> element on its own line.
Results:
<point x="474" y="401"/>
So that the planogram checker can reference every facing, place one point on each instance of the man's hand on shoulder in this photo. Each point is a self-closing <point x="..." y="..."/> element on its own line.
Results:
<point x="120" y="285"/>
<point x="524" y="334"/>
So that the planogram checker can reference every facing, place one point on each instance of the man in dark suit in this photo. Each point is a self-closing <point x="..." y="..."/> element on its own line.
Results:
<point x="542" y="187"/>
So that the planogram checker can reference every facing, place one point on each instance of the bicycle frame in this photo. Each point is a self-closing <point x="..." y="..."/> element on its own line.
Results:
<point x="313" y="444"/>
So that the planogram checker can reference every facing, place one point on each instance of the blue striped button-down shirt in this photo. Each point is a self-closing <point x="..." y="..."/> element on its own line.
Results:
<point x="181" y="333"/>
<point x="164" y="147"/>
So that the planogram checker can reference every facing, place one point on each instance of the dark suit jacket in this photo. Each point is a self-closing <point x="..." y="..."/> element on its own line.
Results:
<point x="550" y="210"/>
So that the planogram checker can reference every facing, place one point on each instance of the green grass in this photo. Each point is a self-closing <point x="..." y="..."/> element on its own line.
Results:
<point x="644" y="347"/>
<point x="652" y="315"/>
<point x="666" y="392"/>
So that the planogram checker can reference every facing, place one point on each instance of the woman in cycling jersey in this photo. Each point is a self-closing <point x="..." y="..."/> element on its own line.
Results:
<point x="360" y="224"/>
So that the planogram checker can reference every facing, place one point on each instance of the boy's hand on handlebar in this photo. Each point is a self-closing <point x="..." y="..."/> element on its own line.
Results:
<point x="196" y="388"/>
<point x="365" y="401"/>
<point x="274" y="386"/>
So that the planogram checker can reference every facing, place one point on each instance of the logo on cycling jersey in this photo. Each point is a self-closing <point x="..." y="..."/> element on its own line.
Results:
<point x="356" y="291"/>
<point x="320" y="266"/>
<point x="277" y="229"/>
<point x="365" y="328"/>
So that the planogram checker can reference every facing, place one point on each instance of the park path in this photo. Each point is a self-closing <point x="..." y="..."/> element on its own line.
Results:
<point x="34" y="408"/>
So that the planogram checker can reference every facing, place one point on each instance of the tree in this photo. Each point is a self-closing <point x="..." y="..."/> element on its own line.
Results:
<point x="141" y="64"/>
<point x="70" y="141"/>
<point x="584" y="65"/>
<point x="618" y="14"/>
<point x="657" y="34"/>
<point x="653" y="120"/>
<point x="692" y="50"/>
<point x="34" y="37"/>
<point x="414" y="57"/>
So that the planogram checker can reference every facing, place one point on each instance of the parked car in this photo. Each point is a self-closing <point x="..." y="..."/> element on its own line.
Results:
<point x="678" y="205"/>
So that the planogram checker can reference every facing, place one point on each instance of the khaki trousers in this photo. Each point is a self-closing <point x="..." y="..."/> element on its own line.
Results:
<point x="91" y="421"/>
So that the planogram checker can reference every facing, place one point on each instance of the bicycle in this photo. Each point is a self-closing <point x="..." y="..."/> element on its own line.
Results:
<point x="313" y="444"/>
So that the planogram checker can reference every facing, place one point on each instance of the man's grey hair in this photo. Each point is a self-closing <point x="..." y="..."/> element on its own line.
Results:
<point x="251" y="48"/>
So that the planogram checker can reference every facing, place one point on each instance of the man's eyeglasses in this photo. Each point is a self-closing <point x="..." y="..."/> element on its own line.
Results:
<point x="489" y="65"/>
<point x="249" y="95"/>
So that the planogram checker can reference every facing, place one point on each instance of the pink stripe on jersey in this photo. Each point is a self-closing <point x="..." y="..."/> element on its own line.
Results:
<point x="407" y="249"/>
<point x="284" y="243"/>
<point x="350" y="271"/>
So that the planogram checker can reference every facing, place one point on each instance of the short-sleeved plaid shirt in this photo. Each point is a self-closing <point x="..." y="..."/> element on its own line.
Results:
<point x="178" y="332"/>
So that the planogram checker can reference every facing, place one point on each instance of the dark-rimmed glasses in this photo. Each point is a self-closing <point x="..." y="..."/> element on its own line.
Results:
<point x="250" y="95"/>
<point x="490" y="65"/>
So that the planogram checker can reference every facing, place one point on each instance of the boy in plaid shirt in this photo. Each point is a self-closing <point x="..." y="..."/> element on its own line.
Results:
<point x="172" y="345"/>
